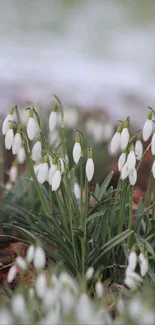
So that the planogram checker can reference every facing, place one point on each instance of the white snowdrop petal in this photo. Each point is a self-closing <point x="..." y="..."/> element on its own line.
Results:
<point x="21" y="263"/>
<point x="39" y="259"/>
<point x="36" y="151"/>
<point x="18" y="305"/>
<point x="30" y="253"/>
<point x="99" y="289"/>
<point x="42" y="174"/>
<point x="16" y="143"/>
<point x="13" y="173"/>
<point x="133" y="176"/>
<point x="89" y="273"/>
<point x="89" y="169"/>
<point x="147" y="129"/>
<point x="138" y="149"/>
<point x="12" y="273"/>
<point x="56" y="180"/>
<point x="6" y="124"/>
<point x="41" y="285"/>
<point x="124" y="138"/>
<point x="121" y="161"/>
<point x="153" y="144"/>
<point x="76" y="152"/>
<point x="115" y="142"/>
<point x="131" y="160"/>
<point x="52" y="121"/>
<point x="21" y="155"/>
<point x="132" y="260"/>
<point x="51" y="172"/>
<point x="77" y="191"/>
<point x="124" y="171"/>
<point x="32" y="128"/>
<point x="9" y="139"/>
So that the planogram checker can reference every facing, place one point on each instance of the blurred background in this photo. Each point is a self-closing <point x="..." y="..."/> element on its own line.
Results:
<point x="94" y="54"/>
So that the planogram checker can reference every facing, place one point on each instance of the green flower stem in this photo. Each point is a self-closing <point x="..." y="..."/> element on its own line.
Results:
<point x="122" y="207"/>
<point x="81" y="183"/>
<point x="84" y="228"/>
<point x="130" y="213"/>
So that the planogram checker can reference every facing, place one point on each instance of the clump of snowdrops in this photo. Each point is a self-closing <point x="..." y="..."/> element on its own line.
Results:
<point x="76" y="223"/>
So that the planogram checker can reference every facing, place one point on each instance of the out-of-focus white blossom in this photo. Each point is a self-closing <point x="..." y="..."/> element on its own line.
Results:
<point x="30" y="253"/>
<point x="39" y="259"/>
<point x="18" y="305"/>
<point x="12" y="273"/>
<point x="56" y="180"/>
<point x="36" y="151"/>
<point x="21" y="155"/>
<point x="41" y="285"/>
<point x="6" y="123"/>
<point x="13" y="172"/>
<point x="144" y="265"/>
<point x="99" y="288"/>
<point x="121" y="161"/>
<point x="21" y="263"/>
<point x="133" y="176"/>
<point x="125" y="136"/>
<point x="138" y="149"/>
<point x="131" y="160"/>
<point x="132" y="260"/>
<point x="32" y="126"/>
<point x="42" y="174"/>
<point x="77" y="191"/>
<point x="9" y="138"/>
<point x="89" y="273"/>
<point x="116" y="141"/>
<point x="124" y="171"/>
<point x="53" y="119"/>
<point x="16" y="143"/>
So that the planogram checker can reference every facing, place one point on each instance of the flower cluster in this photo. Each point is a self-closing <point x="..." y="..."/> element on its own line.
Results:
<point x="132" y="279"/>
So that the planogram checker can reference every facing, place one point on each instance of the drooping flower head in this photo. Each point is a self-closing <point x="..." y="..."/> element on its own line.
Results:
<point x="9" y="137"/>
<point x="138" y="148"/>
<point x="116" y="140"/>
<point x="77" y="149"/>
<point x="53" y="118"/>
<point x="17" y="141"/>
<point x="7" y="121"/>
<point x="37" y="151"/>
<point x="90" y="165"/>
<point x="148" y="127"/>
<point x="125" y="136"/>
<point x="32" y="126"/>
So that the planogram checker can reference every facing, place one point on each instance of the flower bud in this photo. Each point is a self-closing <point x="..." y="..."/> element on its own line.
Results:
<point x="21" y="263"/>
<point x="77" y="150"/>
<point x="99" y="289"/>
<point x="7" y="121"/>
<point x="12" y="273"/>
<point x="13" y="173"/>
<point x="9" y="138"/>
<point x="138" y="149"/>
<point x="124" y="171"/>
<point x="41" y="285"/>
<point x="42" y="174"/>
<point x="133" y="176"/>
<point x="132" y="260"/>
<point x="77" y="191"/>
<point x="53" y="118"/>
<point x="90" y="166"/>
<point x="125" y="135"/>
<point x="148" y="127"/>
<point x="30" y="254"/>
<point x="144" y="265"/>
<point x="131" y="159"/>
<point x="32" y="126"/>
<point x="89" y="273"/>
<point x="116" y="141"/>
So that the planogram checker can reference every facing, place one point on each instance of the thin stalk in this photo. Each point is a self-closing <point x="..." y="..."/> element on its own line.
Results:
<point x="130" y="213"/>
<point x="122" y="207"/>
<point x="84" y="227"/>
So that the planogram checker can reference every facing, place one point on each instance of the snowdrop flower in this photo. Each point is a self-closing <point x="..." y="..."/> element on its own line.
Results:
<point x="132" y="279"/>
<point x="16" y="142"/>
<point x="42" y="174"/>
<point x="121" y="161"/>
<point x="153" y="169"/>
<point x="41" y="285"/>
<point x="77" y="150"/>
<point x="56" y="180"/>
<point x="30" y="254"/>
<point x="36" y="151"/>
<point x="39" y="259"/>
<point x="18" y="305"/>
<point x="8" y="186"/>
<point x="12" y="273"/>
<point x="53" y="118"/>
<point x="9" y="137"/>
<point x="125" y="136"/>
<point x="99" y="289"/>
<point x="89" y="273"/>
<point x="21" y="155"/>
<point x="138" y="149"/>
<point x="116" y="140"/>
<point x="66" y="280"/>
<point x="133" y="176"/>
<point x="124" y="171"/>
<point x="132" y="260"/>
<point x="13" y="172"/>
<point x="84" y="311"/>
<point x="32" y="126"/>
<point x="120" y="306"/>
<point x="144" y="265"/>
<point x="8" y="119"/>
<point x="90" y="166"/>
<point x="21" y="263"/>
<point x="148" y="127"/>
<point x="52" y="171"/>
<point x="131" y="159"/>
<point x="77" y="191"/>
<point x="6" y="317"/>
